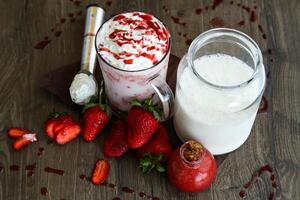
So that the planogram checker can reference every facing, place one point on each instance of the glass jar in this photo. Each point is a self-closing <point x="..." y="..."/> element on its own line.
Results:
<point x="220" y="83"/>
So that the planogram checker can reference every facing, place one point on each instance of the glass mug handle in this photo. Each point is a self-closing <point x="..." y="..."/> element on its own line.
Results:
<point x="165" y="95"/>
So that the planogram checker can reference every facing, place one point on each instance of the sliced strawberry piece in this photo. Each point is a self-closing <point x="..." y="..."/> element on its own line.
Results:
<point x="17" y="132"/>
<point x="115" y="143"/>
<point x="100" y="172"/>
<point x="49" y="126"/>
<point x="68" y="133"/>
<point x="62" y="121"/>
<point x="24" y="141"/>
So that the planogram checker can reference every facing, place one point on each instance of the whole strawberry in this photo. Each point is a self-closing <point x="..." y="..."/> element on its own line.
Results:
<point x="95" y="118"/>
<point x="155" y="151"/>
<point x="143" y="120"/>
<point x="115" y="143"/>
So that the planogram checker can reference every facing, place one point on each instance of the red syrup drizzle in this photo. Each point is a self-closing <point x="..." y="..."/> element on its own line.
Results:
<point x="44" y="191"/>
<point x="14" y="167"/>
<point x="127" y="190"/>
<point x="257" y="174"/>
<point x="42" y="44"/>
<point x="54" y="171"/>
<point x="30" y="169"/>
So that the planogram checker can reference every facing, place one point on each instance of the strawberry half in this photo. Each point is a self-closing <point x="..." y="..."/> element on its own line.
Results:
<point x="68" y="133"/>
<point x="95" y="117"/>
<point x="17" y="132"/>
<point x="100" y="172"/>
<point x="61" y="122"/>
<point x="24" y="141"/>
<point x="155" y="151"/>
<point x="115" y="143"/>
<point x="50" y="123"/>
<point x="143" y="120"/>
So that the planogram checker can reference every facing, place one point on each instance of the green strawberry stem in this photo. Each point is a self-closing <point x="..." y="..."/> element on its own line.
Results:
<point x="149" y="162"/>
<point x="149" y="106"/>
<point x="98" y="100"/>
<point x="54" y="115"/>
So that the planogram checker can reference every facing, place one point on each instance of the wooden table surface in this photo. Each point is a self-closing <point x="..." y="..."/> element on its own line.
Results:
<point x="274" y="140"/>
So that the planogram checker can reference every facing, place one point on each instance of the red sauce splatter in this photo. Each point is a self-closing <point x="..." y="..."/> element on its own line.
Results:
<point x="62" y="20"/>
<point x="57" y="33"/>
<point x="269" y="51"/>
<point x="216" y="3"/>
<point x="55" y="171"/>
<point x="176" y="20"/>
<point x="42" y="44"/>
<point x="142" y="194"/>
<point x="184" y="35"/>
<point x="246" y="8"/>
<point x="272" y="178"/>
<point x="14" y="167"/>
<point x="264" y="36"/>
<point x="242" y="194"/>
<point x="198" y="11"/>
<point x="188" y="41"/>
<point x="272" y="196"/>
<point x="260" y="28"/>
<point x="127" y="189"/>
<point x="108" y="3"/>
<point x="30" y="169"/>
<point x="216" y="22"/>
<point x="82" y="176"/>
<point x="44" y="191"/>
<point x="257" y="174"/>
<point x="77" y="3"/>
<point x="241" y="23"/>
<point x="40" y="152"/>
<point x="252" y="16"/>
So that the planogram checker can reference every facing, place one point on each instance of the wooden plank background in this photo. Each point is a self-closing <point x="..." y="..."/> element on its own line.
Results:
<point x="274" y="139"/>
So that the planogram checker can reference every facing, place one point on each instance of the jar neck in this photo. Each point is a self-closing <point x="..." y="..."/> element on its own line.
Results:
<point x="192" y="153"/>
<point x="230" y="41"/>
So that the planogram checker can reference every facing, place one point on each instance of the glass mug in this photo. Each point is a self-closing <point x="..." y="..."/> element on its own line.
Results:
<point x="122" y="86"/>
<point x="207" y="108"/>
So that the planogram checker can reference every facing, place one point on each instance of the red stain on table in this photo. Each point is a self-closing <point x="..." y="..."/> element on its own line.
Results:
<point x="217" y="22"/>
<point x="30" y="169"/>
<point x="42" y="44"/>
<point x="216" y="3"/>
<point x="177" y="20"/>
<point x="241" y="23"/>
<point x="44" y="191"/>
<point x="127" y="190"/>
<point x="54" y="171"/>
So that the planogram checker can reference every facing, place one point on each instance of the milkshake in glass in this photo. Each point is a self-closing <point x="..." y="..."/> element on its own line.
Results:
<point x="133" y="51"/>
<point x="220" y="82"/>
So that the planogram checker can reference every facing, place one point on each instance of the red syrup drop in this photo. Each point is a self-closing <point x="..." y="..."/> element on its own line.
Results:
<point x="246" y="8"/>
<point x="44" y="191"/>
<point x="57" y="33"/>
<point x="241" y="23"/>
<point x="217" y="22"/>
<point x="116" y="198"/>
<point x="198" y="11"/>
<point x="82" y="177"/>
<point x="62" y="20"/>
<point x="216" y="3"/>
<point x="253" y="16"/>
<point x="269" y="51"/>
<point x="188" y="41"/>
<point x="127" y="190"/>
<point x="14" y="167"/>
<point x="54" y="171"/>
<point x="40" y="152"/>
<point x="42" y="44"/>
<point x="242" y="194"/>
<point x="30" y="169"/>
<point x="263" y="108"/>
<point x="260" y="28"/>
<point x="176" y="20"/>
<point x="142" y="194"/>
<point x="111" y="185"/>
<point x="108" y="3"/>
<point x="264" y="36"/>
<point x="272" y="196"/>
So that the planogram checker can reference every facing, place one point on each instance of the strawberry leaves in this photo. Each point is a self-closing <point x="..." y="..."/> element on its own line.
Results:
<point x="149" y="162"/>
<point x="149" y="106"/>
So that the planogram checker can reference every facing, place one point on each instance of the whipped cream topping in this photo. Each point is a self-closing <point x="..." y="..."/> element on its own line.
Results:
<point x="133" y="41"/>
<point x="83" y="88"/>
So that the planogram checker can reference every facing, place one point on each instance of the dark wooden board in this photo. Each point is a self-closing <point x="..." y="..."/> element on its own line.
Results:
<point x="274" y="140"/>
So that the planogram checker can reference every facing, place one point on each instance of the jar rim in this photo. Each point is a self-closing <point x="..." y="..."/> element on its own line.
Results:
<point x="201" y="40"/>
